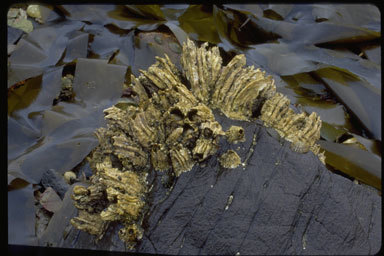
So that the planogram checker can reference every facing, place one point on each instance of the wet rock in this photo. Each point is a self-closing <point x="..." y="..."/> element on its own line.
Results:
<point x="54" y="180"/>
<point x="283" y="202"/>
<point x="50" y="200"/>
<point x="42" y="220"/>
<point x="13" y="35"/>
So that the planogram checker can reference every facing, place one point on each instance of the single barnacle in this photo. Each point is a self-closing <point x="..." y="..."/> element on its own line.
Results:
<point x="131" y="233"/>
<point x="175" y="136"/>
<point x="128" y="153"/>
<point x="230" y="159"/>
<point x="181" y="159"/>
<point x="204" y="148"/>
<point x="159" y="157"/>
<point x="235" y="134"/>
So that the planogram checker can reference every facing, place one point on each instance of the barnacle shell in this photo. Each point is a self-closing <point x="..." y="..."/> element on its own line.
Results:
<point x="159" y="157"/>
<point x="230" y="159"/>
<point x="302" y="130"/>
<point x="235" y="134"/>
<point x="91" y="223"/>
<point x="171" y="127"/>
<point x="181" y="159"/>
<point x="237" y="91"/>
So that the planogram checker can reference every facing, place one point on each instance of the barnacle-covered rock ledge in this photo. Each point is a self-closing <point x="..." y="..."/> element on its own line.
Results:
<point x="170" y="126"/>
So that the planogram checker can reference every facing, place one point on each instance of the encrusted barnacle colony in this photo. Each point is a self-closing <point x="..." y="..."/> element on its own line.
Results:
<point x="170" y="126"/>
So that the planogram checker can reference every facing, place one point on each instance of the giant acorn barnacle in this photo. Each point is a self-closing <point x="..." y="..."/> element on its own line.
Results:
<point x="171" y="126"/>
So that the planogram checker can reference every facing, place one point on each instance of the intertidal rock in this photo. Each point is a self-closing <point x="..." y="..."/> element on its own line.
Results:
<point x="170" y="126"/>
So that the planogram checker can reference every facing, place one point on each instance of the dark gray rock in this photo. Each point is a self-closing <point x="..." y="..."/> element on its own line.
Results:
<point x="53" y="179"/>
<point x="13" y="34"/>
<point x="283" y="203"/>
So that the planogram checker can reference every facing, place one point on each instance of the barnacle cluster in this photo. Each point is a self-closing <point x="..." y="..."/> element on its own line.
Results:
<point x="170" y="125"/>
<point x="301" y="129"/>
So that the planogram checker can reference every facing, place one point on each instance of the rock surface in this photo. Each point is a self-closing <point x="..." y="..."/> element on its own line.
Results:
<point x="281" y="202"/>
<point x="53" y="179"/>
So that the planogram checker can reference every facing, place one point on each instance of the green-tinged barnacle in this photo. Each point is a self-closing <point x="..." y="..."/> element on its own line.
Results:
<point x="302" y="130"/>
<point x="126" y="150"/>
<point x="131" y="233"/>
<point x="91" y="223"/>
<point x="202" y="68"/>
<point x="229" y="73"/>
<point x="171" y="126"/>
<point x="200" y="113"/>
<point x="236" y="90"/>
<point x="181" y="159"/>
<point x="175" y="136"/>
<point x="91" y="199"/>
<point x="127" y="181"/>
<point x="235" y="134"/>
<point x="230" y="159"/>
<point x="142" y="131"/>
<point x="160" y="157"/>
<point x="211" y="129"/>
<point x="204" y="148"/>
<point x="139" y="89"/>
<point x="126" y="206"/>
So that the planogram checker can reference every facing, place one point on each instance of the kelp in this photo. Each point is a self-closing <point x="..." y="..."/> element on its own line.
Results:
<point x="199" y="24"/>
<point x="21" y="227"/>
<point x="363" y="101"/>
<point x="356" y="163"/>
<point x="40" y="49"/>
<point x="308" y="49"/>
<point x="316" y="33"/>
<point x="77" y="46"/>
<point x="66" y="133"/>
<point x="312" y="95"/>
<point x="349" y="14"/>
<point x="103" y="43"/>
<point x="117" y="15"/>
<point x="148" y="45"/>
<point x="309" y="58"/>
